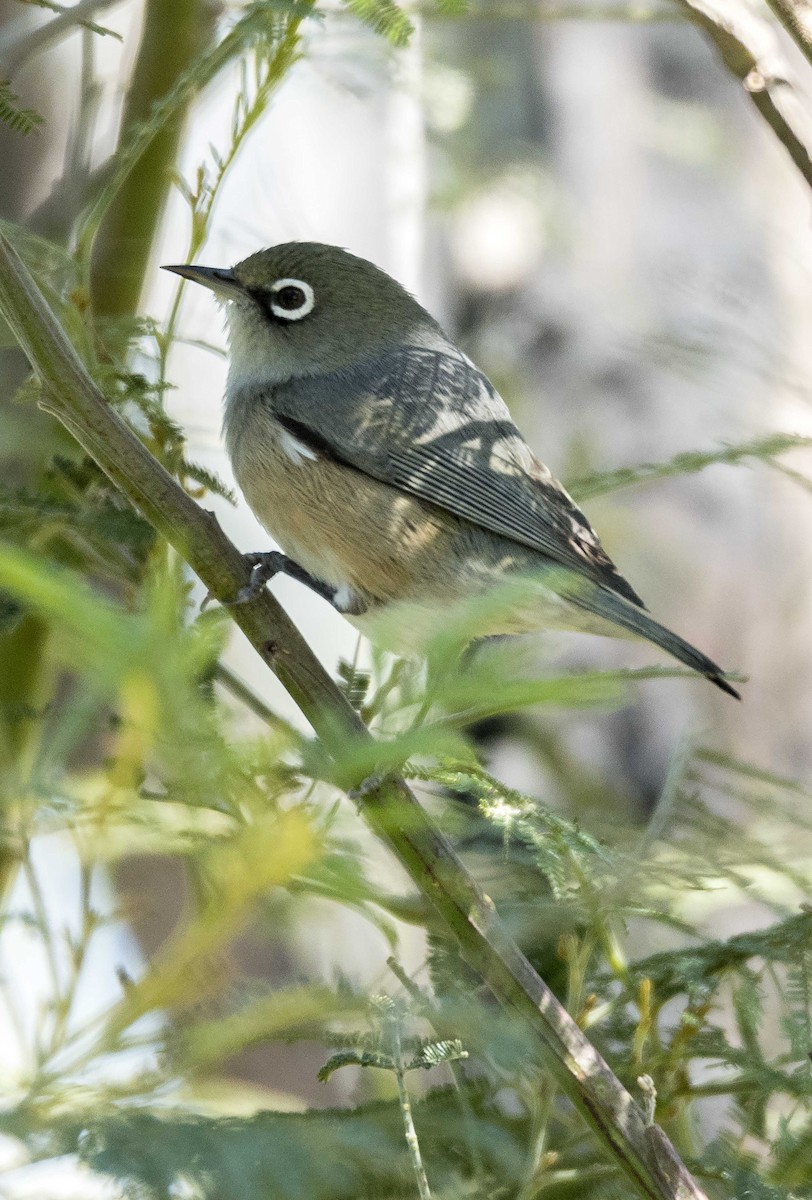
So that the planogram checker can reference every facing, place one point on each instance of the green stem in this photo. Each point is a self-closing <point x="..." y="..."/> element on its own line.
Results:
<point x="644" y="1153"/>
<point x="167" y="112"/>
<point x="45" y="928"/>
<point x="534" y="1176"/>
<point x="269" y="73"/>
<point x="433" y="1013"/>
<point x="15" y="49"/>
<point x="122" y="248"/>
<point x="406" y="1113"/>
<point x="63" y="1009"/>
<point x="796" y="17"/>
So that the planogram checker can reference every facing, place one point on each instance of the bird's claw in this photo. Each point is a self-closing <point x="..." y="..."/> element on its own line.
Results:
<point x="264" y="565"/>
<point x="367" y="786"/>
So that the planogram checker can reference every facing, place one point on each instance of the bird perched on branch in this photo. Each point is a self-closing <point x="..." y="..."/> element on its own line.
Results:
<point x="387" y="466"/>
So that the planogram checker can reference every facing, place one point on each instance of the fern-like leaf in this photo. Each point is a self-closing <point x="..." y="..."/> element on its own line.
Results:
<point x="354" y="683"/>
<point x="352" y="1058"/>
<point x="431" y="1054"/>
<point x="385" y="17"/>
<point x="208" y="480"/>
<point x="696" y="968"/>
<point x="763" y="449"/>
<point x="21" y="120"/>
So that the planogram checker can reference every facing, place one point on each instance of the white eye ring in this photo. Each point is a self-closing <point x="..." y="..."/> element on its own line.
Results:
<point x="293" y="314"/>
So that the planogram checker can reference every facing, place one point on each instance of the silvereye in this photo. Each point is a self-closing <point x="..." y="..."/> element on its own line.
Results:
<point x="387" y="466"/>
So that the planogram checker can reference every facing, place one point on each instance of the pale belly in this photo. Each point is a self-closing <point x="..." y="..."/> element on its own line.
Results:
<point x="404" y="570"/>
<point x="343" y="527"/>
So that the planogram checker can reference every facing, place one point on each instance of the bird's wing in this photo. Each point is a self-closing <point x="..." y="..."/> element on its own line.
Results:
<point x="424" y="419"/>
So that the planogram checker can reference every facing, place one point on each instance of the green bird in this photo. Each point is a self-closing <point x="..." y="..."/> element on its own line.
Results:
<point x="387" y="466"/>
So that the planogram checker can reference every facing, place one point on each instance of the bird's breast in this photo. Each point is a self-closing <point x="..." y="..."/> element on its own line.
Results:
<point x="342" y="526"/>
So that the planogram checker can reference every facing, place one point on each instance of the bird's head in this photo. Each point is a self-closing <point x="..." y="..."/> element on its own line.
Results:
<point x="304" y="308"/>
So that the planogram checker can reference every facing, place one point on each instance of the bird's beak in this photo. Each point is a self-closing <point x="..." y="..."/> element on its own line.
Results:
<point x="223" y="283"/>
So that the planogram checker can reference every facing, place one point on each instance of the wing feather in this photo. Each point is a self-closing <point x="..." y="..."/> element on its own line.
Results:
<point x="423" y="419"/>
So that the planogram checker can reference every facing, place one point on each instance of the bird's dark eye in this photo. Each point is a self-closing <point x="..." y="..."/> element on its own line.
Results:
<point x="291" y="299"/>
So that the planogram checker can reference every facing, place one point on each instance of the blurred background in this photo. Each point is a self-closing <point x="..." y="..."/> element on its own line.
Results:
<point x="594" y="210"/>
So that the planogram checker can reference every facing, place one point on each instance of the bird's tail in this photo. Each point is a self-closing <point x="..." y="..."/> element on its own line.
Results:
<point x="636" y="620"/>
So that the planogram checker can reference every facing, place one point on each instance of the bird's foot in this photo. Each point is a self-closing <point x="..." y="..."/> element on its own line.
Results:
<point x="367" y="786"/>
<point x="264" y="565"/>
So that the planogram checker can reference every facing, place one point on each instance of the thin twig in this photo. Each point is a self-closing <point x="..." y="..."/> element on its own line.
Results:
<point x="689" y="462"/>
<point x="247" y="112"/>
<point x="409" y="1130"/>
<point x="254" y="703"/>
<point x="535" y="1171"/>
<point x="21" y="42"/>
<point x="796" y="17"/>
<point x="46" y="934"/>
<point x="644" y="1154"/>
<point x="151" y="120"/>
<point x="432" y="1012"/>
<point x="78" y="950"/>
<point x="750" y="50"/>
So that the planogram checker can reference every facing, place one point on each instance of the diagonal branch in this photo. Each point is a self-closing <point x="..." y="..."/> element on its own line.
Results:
<point x="796" y="17"/>
<point x="640" y="1150"/>
<point x="749" y="48"/>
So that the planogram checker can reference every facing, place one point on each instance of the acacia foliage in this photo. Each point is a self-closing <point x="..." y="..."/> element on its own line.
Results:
<point x="134" y="739"/>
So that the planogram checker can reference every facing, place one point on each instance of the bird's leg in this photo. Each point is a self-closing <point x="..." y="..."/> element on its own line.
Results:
<point x="265" y="564"/>
<point x="272" y="562"/>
